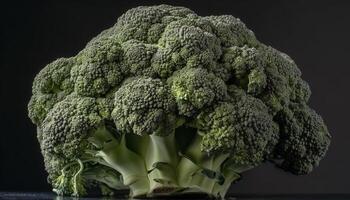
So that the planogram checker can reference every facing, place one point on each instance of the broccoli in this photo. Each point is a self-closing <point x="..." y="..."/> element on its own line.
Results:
<point x="166" y="102"/>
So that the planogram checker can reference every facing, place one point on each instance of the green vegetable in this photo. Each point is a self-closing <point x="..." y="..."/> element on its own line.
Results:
<point x="166" y="102"/>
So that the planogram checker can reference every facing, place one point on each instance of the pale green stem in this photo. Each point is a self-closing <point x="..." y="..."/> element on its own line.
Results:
<point x="129" y="164"/>
<point x="161" y="160"/>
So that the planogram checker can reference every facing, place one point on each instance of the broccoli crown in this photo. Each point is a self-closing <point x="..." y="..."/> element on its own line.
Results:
<point x="167" y="102"/>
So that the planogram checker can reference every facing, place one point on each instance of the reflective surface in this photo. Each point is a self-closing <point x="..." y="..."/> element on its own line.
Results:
<point x="51" y="196"/>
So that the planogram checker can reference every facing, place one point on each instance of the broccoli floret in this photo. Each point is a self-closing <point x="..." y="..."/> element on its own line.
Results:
<point x="98" y="68"/>
<point x="196" y="88"/>
<point x="144" y="106"/>
<point x="243" y="128"/>
<point x="64" y="142"/>
<point x="232" y="31"/>
<point x="167" y="102"/>
<point x="137" y="56"/>
<point x="50" y="86"/>
<point x="246" y="65"/>
<point x="304" y="139"/>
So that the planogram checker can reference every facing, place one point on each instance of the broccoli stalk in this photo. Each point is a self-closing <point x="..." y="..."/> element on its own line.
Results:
<point x="204" y="171"/>
<point x="161" y="160"/>
<point x="165" y="165"/>
<point x="158" y="169"/>
<point x="119" y="157"/>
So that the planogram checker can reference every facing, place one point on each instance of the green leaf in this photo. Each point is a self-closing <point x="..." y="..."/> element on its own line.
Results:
<point x="209" y="173"/>
<point x="161" y="181"/>
<point x="220" y="179"/>
<point x="159" y="165"/>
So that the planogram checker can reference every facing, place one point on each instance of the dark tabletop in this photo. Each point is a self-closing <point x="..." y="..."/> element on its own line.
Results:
<point x="41" y="196"/>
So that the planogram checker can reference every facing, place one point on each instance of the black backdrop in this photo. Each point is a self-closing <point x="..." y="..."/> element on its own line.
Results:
<point x="314" y="33"/>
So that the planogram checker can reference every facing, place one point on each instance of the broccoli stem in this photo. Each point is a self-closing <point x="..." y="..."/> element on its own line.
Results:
<point x="161" y="160"/>
<point x="105" y="175"/>
<point x="186" y="167"/>
<point x="78" y="187"/>
<point x="152" y="165"/>
<point x="202" y="172"/>
<point x="129" y="164"/>
<point x="230" y="177"/>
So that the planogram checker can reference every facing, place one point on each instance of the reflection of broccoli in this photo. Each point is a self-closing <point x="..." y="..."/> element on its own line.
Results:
<point x="167" y="102"/>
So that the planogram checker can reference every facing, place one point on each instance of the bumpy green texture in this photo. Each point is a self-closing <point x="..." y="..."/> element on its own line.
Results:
<point x="167" y="102"/>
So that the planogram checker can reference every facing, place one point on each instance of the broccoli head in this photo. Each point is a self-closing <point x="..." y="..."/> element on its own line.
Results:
<point x="167" y="102"/>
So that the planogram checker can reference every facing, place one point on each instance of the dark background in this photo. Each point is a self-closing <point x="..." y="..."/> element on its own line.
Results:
<point x="316" y="34"/>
